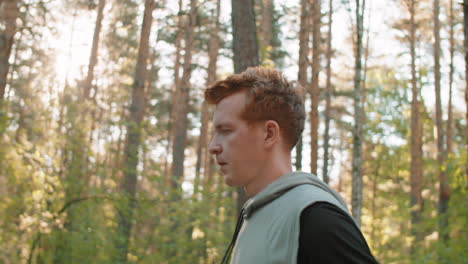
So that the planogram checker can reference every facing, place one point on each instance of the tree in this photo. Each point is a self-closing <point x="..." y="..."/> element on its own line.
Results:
<point x="357" y="129"/>
<point x="137" y="109"/>
<point x="266" y="28"/>
<point x="244" y="31"/>
<point x="416" y="201"/>
<point x="465" y="29"/>
<point x="181" y="121"/>
<point x="213" y="51"/>
<point x="315" y="89"/>
<point x="176" y="86"/>
<point x="94" y="50"/>
<point x="451" y="73"/>
<point x="444" y="192"/>
<point x="303" y="64"/>
<point x="9" y="14"/>
<point x="328" y="91"/>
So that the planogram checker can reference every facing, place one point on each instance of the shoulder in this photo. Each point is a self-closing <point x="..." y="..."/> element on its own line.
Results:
<point x="340" y="240"/>
<point x="326" y="215"/>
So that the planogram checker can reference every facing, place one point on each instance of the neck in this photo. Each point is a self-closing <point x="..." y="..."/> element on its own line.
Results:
<point x="271" y="170"/>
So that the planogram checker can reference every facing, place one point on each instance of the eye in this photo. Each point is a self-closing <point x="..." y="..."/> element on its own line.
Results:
<point x="225" y="130"/>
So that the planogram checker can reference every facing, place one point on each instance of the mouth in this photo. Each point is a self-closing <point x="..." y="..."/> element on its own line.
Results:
<point x="222" y="166"/>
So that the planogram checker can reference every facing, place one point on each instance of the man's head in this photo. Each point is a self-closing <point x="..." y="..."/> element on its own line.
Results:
<point x="269" y="97"/>
<point x="259" y="117"/>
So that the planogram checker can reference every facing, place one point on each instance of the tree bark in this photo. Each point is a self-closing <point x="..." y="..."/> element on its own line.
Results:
<point x="94" y="50"/>
<point x="416" y="201"/>
<point x="176" y="87"/>
<point x="267" y="22"/>
<point x="315" y="89"/>
<point x="266" y="31"/>
<point x="303" y="64"/>
<point x="450" y="110"/>
<point x="444" y="194"/>
<point x="9" y="15"/>
<point x="465" y="30"/>
<point x="181" y="121"/>
<point x="245" y="49"/>
<point x="328" y="92"/>
<point x="133" y="142"/>
<point x="244" y="30"/>
<point x="357" y="129"/>
<point x="374" y="177"/>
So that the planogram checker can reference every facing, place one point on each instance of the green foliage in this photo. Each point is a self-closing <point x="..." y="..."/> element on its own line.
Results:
<point x="386" y="218"/>
<point x="29" y="188"/>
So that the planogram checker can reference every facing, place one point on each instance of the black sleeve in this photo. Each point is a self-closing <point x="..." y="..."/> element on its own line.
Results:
<point x="329" y="235"/>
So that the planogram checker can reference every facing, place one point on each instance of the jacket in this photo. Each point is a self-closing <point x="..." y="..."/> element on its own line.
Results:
<point x="269" y="231"/>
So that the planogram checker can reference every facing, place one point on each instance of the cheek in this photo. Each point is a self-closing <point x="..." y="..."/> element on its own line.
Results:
<point x="249" y="148"/>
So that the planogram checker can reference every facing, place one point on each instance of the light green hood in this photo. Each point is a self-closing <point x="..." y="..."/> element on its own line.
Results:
<point x="284" y="184"/>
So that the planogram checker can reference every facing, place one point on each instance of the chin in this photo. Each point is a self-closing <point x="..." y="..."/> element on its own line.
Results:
<point x="229" y="182"/>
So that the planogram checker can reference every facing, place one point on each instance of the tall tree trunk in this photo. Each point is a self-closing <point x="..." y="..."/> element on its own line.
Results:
<point x="416" y="201"/>
<point x="465" y="29"/>
<point x="244" y="30"/>
<point x="176" y="87"/>
<point x="315" y="89"/>
<point x="374" y="177"/>
<point x="181" y="121"/>
<point x="9" y="14"/>
<point x="328" y="92"/>
<point x="303" y="64"/>
<point x="444" y="194"/>
<point x="133" y="142"/>
<point x="452" y="51"/>
<point x="213" y="51"/>
<point x="266" y="31"/>
<point x="245" y="49"/>
<point x="178" y="41"/>
<point x="357" y="130"/>
<point x="94" y="50"/>
<point x="267" y="22"/>
<point x="88" y="85"/>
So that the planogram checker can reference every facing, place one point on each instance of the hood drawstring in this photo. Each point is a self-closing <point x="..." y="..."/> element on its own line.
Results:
<point x="240" y="221"/>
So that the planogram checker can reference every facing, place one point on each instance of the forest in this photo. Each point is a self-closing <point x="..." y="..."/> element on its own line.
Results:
<point x="104" y="129"/>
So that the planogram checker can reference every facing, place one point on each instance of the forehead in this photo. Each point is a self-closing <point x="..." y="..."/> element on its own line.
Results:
<point x="230" y="107"/>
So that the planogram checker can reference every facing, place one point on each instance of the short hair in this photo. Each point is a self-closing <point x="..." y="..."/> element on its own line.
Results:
<point x="270" y="96"/>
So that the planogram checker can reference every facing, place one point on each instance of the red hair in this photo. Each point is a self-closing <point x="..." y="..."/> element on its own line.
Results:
<point x="270" y="96"/>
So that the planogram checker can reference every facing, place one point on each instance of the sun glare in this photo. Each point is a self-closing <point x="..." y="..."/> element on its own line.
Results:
<point x="73" y="46"/>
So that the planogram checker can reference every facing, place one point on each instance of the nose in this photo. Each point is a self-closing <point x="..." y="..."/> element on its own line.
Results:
<point x="214" y="147"/>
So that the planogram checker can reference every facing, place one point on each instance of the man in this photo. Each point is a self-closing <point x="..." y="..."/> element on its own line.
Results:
<point x="290" y="217"/>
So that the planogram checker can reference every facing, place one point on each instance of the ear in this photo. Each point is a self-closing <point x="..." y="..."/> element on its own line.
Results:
<point x="272" y="133"/>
